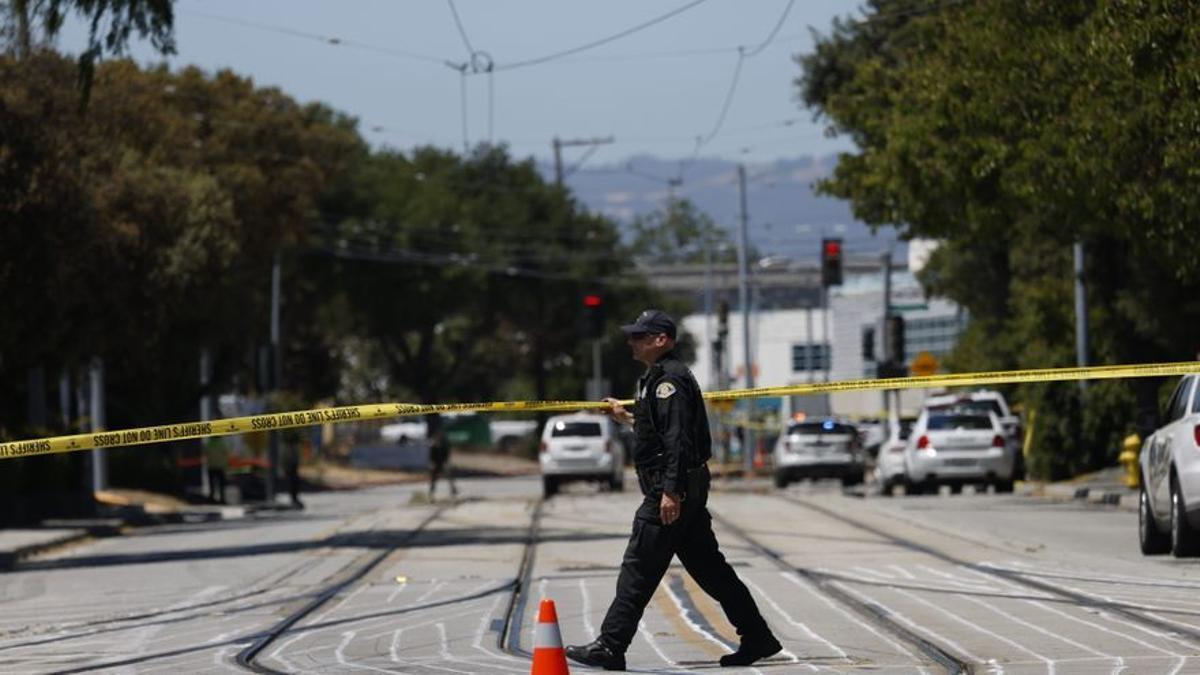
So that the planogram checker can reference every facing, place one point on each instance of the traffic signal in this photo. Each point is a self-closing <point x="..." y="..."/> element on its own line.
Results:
<point x="868" y="343"/>
<point x="593" y="315"/>
<point x="895" y="336"/>
<point x="831" y="262"/>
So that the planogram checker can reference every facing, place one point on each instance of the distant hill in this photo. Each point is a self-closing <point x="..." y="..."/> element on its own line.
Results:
<point x="786" y="217"/>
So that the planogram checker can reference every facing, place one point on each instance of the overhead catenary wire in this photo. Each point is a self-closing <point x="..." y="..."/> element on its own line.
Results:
<point x="462" y="31"/>
<point x="326" y="39"/>
<point x="602" y="41"/>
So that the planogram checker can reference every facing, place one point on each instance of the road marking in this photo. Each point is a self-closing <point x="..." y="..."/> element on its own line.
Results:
<point x="795" y="624"/>
<point x="437" y="586"/>
<point x="971" y="624"/>
<point x="1118" y="662"/>
<point x="588" y="629"/>
<point x="645" y="632"/>
<point x="807" y="586"/>
<point x="939" y="639"/>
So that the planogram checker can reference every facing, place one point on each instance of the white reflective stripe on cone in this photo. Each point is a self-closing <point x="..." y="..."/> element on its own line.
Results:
<point x="547" y="635"/>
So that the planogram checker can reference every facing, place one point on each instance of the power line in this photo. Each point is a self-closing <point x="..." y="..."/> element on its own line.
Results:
<point x="462" y="32"/>
<point x="326" y="39"/>
<point x="774" y="31"/>
<point x="601" y="41"/>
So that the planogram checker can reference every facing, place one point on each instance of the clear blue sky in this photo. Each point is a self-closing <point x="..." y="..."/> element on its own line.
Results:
<point x="655" y="91"/>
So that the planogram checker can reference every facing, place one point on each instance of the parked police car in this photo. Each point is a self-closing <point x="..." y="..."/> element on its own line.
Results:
<point x="819" y="449"/>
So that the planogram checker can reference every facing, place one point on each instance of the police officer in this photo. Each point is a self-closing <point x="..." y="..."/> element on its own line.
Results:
<point x="672" y="448"/>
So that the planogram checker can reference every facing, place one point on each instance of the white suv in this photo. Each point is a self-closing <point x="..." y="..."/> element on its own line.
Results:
<point x="818" y="449"/>
<point x="581" y="447"/>
<point x="1169" y="504"/>
<point x="983" y="401"/>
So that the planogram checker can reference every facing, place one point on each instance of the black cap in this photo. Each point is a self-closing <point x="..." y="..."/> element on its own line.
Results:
<point x="652" y="321"/>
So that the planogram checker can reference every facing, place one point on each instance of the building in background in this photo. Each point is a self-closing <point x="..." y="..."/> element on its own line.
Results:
<point x="794" y="340"/>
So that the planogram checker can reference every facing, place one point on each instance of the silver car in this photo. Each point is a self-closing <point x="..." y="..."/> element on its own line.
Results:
<point x="819" y="449"/>
<point x="956" y="448"/>
<point x="581" y="447"/>
<point x="1169" y="504"/>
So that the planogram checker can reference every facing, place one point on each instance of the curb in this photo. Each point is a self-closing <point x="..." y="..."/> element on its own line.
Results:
<point x="1124" y="500"/>
<point x="9" y="558"/>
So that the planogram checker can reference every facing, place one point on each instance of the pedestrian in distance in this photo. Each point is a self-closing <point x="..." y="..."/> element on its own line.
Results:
<point x="439" y="455"/>
<point x="671" y="452"/>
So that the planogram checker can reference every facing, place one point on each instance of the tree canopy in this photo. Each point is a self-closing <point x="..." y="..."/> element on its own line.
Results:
<point x="1010" y="131"/>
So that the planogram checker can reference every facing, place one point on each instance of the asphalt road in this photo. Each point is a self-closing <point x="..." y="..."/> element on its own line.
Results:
<point x="378" y="580"/>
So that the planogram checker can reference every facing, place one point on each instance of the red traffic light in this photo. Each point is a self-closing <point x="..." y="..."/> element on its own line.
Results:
<point x="833" y="248"/>
<point x="592" y="301"/>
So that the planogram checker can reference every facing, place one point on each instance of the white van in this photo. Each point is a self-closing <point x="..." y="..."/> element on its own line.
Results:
<point x="581" y="446"/>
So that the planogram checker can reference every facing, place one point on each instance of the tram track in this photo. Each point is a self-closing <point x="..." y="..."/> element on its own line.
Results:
<point x="1012" y="576"/>
<point x="352" y="573"/>
<point x="879" y="617"/>
<point x="509" y="634"/>
<point x="953" y="662"/>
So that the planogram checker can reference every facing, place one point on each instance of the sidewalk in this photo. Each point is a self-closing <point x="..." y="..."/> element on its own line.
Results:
<point x="1106" y="486"/>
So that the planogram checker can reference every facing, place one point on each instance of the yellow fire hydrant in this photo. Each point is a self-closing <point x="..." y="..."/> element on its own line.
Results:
<point x="1130" y="448"/>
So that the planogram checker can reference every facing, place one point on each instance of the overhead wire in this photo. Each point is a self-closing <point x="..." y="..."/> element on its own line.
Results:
<point x="329" y="40"/>
<point x="605" y="40"/>
<point x="462" y="32"/>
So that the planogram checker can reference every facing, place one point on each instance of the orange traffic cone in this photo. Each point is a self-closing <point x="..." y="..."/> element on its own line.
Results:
<point x="548" y="656"/>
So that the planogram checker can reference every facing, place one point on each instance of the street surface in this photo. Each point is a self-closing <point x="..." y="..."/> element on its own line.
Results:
<point x="380" y="580"/>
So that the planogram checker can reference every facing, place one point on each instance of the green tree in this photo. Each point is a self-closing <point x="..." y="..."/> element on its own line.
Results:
<point x="111" y="23"/>
<point x="1009" y="131"/>
<point x="680" y="233"/>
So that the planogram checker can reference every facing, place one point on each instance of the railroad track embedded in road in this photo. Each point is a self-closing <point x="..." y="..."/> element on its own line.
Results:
<point x="509" y="636"/>
<point x="245" y="658"/>
<point x="952" y="662"/>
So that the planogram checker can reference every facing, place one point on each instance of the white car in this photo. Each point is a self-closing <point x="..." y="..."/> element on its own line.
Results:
<point x="956" y="447"/>
<point x="1169" y="505"/>
<point x="818" y="449"/>
<point x="982" y="401"/>
<point x="889" y="463"/>
<point x="581" y="447"/>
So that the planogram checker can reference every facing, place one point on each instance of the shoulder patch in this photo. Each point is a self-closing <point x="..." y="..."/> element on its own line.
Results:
<point x="664" y="390"/>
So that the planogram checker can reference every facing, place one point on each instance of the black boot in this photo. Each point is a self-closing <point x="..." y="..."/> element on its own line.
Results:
<point x="752" y="650"/>
<point x="598" y="654"/>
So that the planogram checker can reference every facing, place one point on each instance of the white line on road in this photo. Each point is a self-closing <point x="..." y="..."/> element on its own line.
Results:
<point x="795" y="624"/>
<point x="795" y="579"/>
<point x="974" y="626"/>
<point x="939" y="639"/>
<point x="1118" y="662"/>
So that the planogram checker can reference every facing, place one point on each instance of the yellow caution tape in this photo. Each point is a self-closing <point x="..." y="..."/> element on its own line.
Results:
<point x="287" y="420"/>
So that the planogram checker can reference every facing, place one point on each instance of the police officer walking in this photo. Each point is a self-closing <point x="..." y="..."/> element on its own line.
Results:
<point x="671" y="454"/>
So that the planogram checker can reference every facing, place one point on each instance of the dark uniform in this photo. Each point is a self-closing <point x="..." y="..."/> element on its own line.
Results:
<point x="673" y="446"/>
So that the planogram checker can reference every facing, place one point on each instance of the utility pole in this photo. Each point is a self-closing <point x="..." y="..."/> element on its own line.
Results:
<point x="885" y="263"/>
<point x="744" y="302"/>
<point x="206" y="411"/>
<point x="274" y="371"/>
<point x="99" y="458"/>
<point x="1081" y="324"/>
<point x="559" y="144"/>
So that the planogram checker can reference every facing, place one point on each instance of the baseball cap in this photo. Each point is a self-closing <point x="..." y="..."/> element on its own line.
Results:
<point x="652" y="321"/>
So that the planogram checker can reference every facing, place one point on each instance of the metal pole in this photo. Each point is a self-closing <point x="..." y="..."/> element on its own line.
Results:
<point x="206" y="412"/>
<point x="808" y="334"/>
<point x="744" y="302"/>
<point x="708" y="309"/>
<point x="99" y="457"/>
<point x="275" y="372"/>
<point x="885" y="264"/>
<point x="1081" y="324"/>
<point x="596" y="376"/>
<point x="558" y="167"/>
